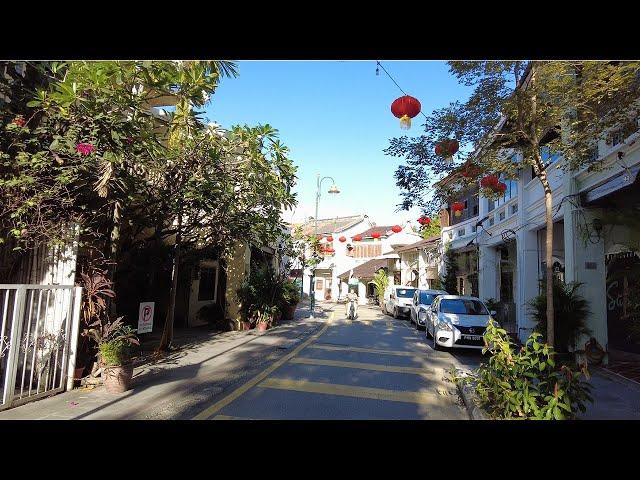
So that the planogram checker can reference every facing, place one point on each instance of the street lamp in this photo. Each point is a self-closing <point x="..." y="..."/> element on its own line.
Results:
<point x="333" y="190"/>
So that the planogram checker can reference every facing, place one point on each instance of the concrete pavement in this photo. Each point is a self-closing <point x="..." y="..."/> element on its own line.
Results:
<point x="372" y="368"/>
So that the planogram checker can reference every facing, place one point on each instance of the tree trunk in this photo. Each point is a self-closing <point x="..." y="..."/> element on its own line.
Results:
<point x="548" y="204"/>
<point x="167" y="331"/>
<point x="113" y="253"/>
<point x="548" y="213"/>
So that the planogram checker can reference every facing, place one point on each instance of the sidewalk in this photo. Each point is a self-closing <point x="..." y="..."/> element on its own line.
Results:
<point x="614" y="397"/>
<point x="204" y="366"/>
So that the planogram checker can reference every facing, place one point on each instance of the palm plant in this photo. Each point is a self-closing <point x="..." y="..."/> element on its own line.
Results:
<point x="381" y="282"/>
<point x="571" y="311"/>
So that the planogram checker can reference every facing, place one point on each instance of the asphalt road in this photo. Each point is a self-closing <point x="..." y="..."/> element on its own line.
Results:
<point x="374" y="367"/>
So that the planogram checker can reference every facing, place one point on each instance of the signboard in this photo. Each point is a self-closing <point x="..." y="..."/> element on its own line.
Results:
<point x="145" y="317"/>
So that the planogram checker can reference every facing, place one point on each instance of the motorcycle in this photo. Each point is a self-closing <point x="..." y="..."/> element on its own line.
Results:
<point x="352" y="310"/>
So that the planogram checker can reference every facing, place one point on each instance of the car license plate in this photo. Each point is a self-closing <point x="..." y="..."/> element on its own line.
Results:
<point x="472" y="337"/>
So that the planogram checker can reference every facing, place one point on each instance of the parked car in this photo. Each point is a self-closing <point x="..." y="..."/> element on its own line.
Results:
<point x="399" y="301"/>
<point x="457" y="322"/>
<point x="422" y="300"/>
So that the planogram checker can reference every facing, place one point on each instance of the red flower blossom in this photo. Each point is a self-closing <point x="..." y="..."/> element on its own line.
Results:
<point x="85" y="148"/>
<point x="19" y="121"/>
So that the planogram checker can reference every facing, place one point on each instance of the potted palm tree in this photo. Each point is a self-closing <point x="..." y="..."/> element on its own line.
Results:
<point x="115" y="340"/>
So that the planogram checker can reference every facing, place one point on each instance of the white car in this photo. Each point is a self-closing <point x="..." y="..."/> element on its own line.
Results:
<point x="399" y="301"/>
<point x="422" y="300"/>
<point x="454" y="321"/>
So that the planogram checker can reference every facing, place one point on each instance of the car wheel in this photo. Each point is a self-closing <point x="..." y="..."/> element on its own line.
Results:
<point x="427" y="333"/>
<point x="435" y="344"/>
<point x="395" y="313"/>
<point x="384" y="309"/>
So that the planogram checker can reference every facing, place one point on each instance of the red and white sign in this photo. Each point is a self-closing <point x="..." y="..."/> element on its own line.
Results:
<point x="145" y="317"/>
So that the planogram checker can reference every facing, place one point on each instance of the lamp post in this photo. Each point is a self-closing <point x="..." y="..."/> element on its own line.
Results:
<point x="333" y="190"/>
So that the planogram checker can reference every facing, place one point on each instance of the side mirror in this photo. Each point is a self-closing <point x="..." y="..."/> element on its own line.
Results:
<point x="493" y="312"/>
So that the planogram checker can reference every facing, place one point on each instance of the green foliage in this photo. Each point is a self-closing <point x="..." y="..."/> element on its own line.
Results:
<point x="571" y="311"/>
<point x="114" y="340"/>
<point x="290" y="292"/>
<point x="260" y="294"/>
<point x="431" y="230"/>
<point x="381" y="282"/>
<point x="450" y="280"/>
<point x="526" y="383"/>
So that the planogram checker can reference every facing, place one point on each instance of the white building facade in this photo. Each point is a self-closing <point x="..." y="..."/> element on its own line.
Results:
<point x="508" y="237"/>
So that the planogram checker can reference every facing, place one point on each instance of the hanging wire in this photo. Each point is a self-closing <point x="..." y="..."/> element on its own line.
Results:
<point x="378" y="64"/>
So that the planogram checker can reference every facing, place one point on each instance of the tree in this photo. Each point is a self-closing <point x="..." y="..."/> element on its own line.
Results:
<point x="433" y="229"/>
<point x="517" y="111"/>
<point x="450" y="280"/>
<point x="381" y="282"/>
<point x="221" y="187"/>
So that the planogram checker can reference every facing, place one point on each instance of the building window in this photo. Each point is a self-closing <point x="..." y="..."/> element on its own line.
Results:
<point x="461" y="285"/>
<point x="491" y="221"/>
<point x="318" y="284"/>
<point x="207" y="286"/>
<point x="501" y="215"/>
<point x="475" y="209"/>
<point x="461" y="232"/>
<point x="474" y="229"/>
<point x="367" y="250"/>
<point x="514" y="208"/>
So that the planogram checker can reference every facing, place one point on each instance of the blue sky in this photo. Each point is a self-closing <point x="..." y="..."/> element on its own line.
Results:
<point x="335" y="117"/>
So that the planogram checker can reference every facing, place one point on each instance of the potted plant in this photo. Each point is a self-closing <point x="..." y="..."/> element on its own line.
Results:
<point x="265" y="317"/>
<point x="290" y="299"/>
<point x="115" y="340"/>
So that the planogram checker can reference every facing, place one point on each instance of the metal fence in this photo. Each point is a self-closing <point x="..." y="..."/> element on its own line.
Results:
<point x="38" y="340"/>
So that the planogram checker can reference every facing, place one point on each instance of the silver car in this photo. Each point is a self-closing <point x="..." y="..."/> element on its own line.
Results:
<point x="457" y="322"/>
<point x="422" y="301"/>
<point x="399" y="301"/>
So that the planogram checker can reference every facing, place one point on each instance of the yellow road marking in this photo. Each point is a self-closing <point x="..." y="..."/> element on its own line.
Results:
<point x="258" y="378"/>
<point x="365" y="350"/>
<point x="358" y="365"/>
<point x="229" y="417"/>
<point x="350" y="391"/>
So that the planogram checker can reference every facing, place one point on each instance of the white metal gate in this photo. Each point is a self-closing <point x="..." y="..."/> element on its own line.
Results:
<point x="38" y="340"/>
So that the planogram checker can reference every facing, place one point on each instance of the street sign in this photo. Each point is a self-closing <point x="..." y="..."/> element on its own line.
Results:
<point x="145" y="317"/>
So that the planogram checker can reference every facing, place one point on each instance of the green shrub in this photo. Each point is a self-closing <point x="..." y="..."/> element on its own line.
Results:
<point x="525" y="382"/>
<point x="571" y="311"/>
<point x="290" y="292"/>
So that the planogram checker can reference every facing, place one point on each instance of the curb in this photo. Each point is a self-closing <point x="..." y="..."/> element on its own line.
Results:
<point x="615" y="376"/>
<point x="470" y="400"/>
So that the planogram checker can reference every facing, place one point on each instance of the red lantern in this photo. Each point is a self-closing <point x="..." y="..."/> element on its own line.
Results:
<point x="501" y="187"/>
<point x="457" y="208"/>
<point x="470" y="170"/>
<point x="375" y="234"/>
<point x="396" y="229"/>
<point x="405" y="108"/>
<point x="490" y="181"/>
<point x="342" y="239"/>
<point x="329" y="238"/>
<point x="447" y="148"/>
<point x="357" y="238"/>
<point x="424" y="220"/>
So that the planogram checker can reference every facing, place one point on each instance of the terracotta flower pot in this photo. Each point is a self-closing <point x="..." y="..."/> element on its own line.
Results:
<point x="117" y="379"/>
<point x="263" y="326"/>
<point x="78" y="372"/>
<point x="245" y="325"/>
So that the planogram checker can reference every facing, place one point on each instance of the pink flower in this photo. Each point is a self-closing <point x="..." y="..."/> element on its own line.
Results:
<point x="85" y="148"/>
<point x="19" y="121"/>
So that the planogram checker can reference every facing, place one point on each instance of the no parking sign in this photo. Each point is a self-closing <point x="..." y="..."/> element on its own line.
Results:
<point x="145" y="317"/>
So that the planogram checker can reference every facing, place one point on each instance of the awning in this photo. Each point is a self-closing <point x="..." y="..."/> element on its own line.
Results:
<point x="622" y="180"/>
